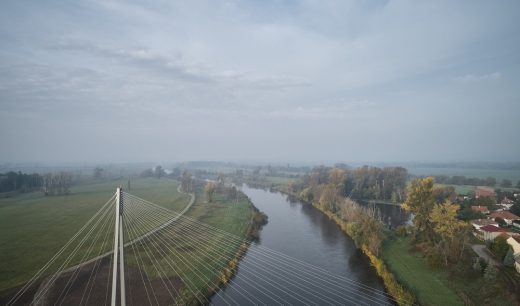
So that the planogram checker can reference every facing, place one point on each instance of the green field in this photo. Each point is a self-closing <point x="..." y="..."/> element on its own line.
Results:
<point x="499" y="174"/>
<point x="411" y="270"/>
<point x="459" y="189"/>
<point x="34" y="227"/>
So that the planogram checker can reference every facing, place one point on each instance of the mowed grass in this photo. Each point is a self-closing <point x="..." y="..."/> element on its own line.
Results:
<point x="459" y="189"/>
<point x="411" y="270"/>
<point x="34" y="227"/>
<point x="499" y="174"/>
<point x="466" y="189"/>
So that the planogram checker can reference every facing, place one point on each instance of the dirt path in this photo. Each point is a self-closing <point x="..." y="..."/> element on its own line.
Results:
<point x="482" y="252"/>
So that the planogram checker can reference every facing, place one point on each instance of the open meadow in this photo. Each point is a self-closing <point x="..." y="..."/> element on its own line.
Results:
<point x="34" y="227"/>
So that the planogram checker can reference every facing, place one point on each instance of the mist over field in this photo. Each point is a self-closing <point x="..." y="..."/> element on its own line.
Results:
<point x="270" y="81"/>
<point x="259" y="152"/>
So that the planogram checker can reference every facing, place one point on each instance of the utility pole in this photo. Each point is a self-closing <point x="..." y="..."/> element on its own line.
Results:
<point x="119" y="252"/>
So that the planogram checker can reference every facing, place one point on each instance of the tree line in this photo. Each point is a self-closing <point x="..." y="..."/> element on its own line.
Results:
<point x="18" y="181"/>
<point x="57" y="183"/>
<point x="364" y="183"/>
<point x="329" y="189"/>
<point x="473" y="181"/>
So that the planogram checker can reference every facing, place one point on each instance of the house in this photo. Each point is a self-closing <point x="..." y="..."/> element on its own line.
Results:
<point x="508" y="216"/>
<point x="480" y="209"/>
<point x="477" y="224"/>
<point x="505" y="200"/>
<point x="490" y="232"/>
<point x="514" y="242"/>
<point x="505" y="206"/>
<point x="484" y="192"/>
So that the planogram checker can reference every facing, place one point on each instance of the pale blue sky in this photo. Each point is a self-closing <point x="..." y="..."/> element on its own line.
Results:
<point x="259" y="80"/>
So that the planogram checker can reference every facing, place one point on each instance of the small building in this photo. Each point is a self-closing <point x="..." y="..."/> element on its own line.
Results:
<point x="506" y="200"/>
<point x="508" y="216"/>
<point x="514" y="242"/>
<point x="505" y="206"/>
<point x="484" y="192"/>
<point x="477" y="224"/>
<point x="480" y="209"/>
<point x="490" y="232"/>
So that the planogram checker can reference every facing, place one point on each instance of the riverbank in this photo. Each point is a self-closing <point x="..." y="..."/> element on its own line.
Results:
<point x="194" y="279"/>
<point x="238" y="217"/>
<point x="399" y="293"/>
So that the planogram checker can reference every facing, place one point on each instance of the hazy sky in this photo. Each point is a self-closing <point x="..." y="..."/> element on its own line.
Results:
<point x="259" y="80"/>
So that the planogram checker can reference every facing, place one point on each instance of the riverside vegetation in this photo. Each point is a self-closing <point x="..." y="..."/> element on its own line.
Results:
<point x="428" y="262"/>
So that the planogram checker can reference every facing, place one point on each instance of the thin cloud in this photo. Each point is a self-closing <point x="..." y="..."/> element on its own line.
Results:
<point x="473" y="78"/>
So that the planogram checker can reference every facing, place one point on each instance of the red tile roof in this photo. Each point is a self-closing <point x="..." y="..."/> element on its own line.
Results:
<point x="516" y="237"/>
<point x="492" y="229"/>
<point x="504" y="215"/>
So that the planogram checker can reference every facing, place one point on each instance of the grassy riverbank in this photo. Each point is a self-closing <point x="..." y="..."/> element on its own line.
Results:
<point x="410" y="269"/>
<point x="460" y="285"/>
<point x="394" y="288"/>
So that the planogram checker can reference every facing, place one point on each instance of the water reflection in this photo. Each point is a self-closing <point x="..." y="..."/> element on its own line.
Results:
<point x="301" y="231"/>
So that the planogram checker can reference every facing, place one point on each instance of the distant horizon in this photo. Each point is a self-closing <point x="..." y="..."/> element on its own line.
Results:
<point x="459" y="163"/>
<point x="259" y="81"/>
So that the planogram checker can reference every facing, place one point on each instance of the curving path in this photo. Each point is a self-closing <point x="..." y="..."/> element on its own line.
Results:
<point x="45" y="284"/>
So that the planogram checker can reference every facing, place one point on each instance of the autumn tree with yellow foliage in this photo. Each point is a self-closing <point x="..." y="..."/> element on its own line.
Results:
<point x="436" y="225"/>
<point x="420" y="202"/>
<point x="451" y="233"/>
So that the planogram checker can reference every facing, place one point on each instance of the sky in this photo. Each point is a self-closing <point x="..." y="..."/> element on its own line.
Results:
<point x="270" y="80"/>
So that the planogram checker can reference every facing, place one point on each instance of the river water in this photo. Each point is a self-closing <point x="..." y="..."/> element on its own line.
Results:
<point x="302" y="232"/>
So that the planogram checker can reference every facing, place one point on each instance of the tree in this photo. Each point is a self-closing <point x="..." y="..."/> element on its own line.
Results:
<point x="186" y="181"/>
<point x="57" y="183"/>
<point x="499" y="246"/>
<point x="420" y="202"/>
<point x="501" y="222"/>
<point x="98" y="173"/>
<point x="451" y="233"/>
<point x="159" y="172"/>
<point x="328" y="198"/>
<point x="518" y="184"/>
<point x="515" y="209"/>
<point x="337" y="177"/>
<point x="490" y="181"/>
<point x="490" y="273"/>
<point x="506" y="183"/>
<point x="442" y="194"/>
<point x="209" y="190"/>
<point x="509" y="259"/>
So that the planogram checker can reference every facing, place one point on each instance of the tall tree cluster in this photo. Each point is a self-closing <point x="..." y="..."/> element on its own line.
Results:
<point x="365" y="183"/>
<point x="186" y="181"/>
<point x="436" y="224"/>
<point x="15" y="181"/>
<point x="57" y="183"/>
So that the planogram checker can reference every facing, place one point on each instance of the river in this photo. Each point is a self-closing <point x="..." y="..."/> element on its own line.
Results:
<point x="301" y="231"/>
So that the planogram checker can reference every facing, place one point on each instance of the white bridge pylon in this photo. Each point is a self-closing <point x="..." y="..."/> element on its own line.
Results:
<point x="119" y="243"/>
